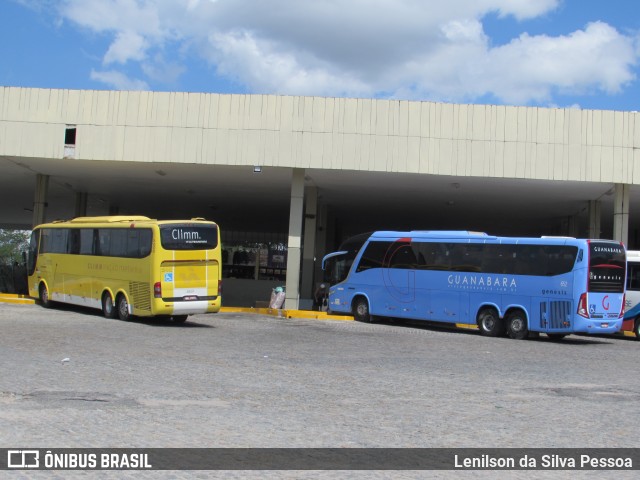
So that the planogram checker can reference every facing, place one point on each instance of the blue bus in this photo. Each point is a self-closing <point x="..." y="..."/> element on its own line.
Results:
<point x="502" y="285"/>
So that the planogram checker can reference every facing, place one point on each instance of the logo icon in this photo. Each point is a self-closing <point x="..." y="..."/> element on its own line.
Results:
<point x="23" y="458"/>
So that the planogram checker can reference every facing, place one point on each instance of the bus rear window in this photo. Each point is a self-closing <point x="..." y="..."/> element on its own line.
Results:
<point x="607" y="267"/>
<point x="188" y="237"/>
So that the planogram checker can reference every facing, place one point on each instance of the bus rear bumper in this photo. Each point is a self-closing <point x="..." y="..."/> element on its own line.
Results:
<point x="187" y="307"/>
<point x="598" y="327"/>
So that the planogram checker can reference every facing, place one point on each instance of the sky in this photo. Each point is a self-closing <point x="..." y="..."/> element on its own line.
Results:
<point x="547" y="53"/>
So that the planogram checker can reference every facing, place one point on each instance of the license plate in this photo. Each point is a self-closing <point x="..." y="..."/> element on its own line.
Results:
<point x="190" y="298"/>
<point x="604" y="325"/>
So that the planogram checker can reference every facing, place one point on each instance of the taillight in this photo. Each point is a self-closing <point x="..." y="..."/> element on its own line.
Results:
<point x="157" y="290"/>
<point x="219" y="287"/>
<point x="624" y="298"/>
<point x="582" y="306"/>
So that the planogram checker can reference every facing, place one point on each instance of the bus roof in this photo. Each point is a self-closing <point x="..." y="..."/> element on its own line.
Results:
<point x="481" y="237"/>
<point x="440" y="234"/>
<point x="633" y="255"/>
<point x="111" y="219"/>
<point x="120" y="219"/>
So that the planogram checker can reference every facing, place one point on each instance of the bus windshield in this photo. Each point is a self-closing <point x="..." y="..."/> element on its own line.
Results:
<point x="336" y="265"/>
<point x="186" y="236"/>
<point x="607" y="267"/>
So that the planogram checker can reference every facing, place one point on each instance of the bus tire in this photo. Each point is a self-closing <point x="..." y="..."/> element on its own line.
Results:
<point x="636" y="328"/>
<point x="43" y="295"/>
<point x="361" y="310"/>
<point x="123" y="308"/>
<point x="490" y="323"/>
<point x="179" y="318"/>
<point x="108" y="308"/>
<point x="516" y="324"/>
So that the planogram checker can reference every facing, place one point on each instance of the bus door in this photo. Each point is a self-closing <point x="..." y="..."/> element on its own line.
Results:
<point x="399" y="280"/>
<point x="51" y="241"/>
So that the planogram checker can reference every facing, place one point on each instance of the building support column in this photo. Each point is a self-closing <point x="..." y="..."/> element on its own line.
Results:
<point x="294" y="243"/>
<point x="307" y="288"/>
<point x="594" y="219"/>
<point x="321" y="240"/>
<point x="81" y="204"/>
<point x="40" y="199"/>
<point x="621" y="213"/>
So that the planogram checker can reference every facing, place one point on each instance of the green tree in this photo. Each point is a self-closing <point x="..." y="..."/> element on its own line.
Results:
<point x="12" y="244"/>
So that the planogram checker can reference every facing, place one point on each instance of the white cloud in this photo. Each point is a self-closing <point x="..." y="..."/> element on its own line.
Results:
<point x="126" y="46"/>
<point x="399" y="48"/>
<point x="118" y="80"/>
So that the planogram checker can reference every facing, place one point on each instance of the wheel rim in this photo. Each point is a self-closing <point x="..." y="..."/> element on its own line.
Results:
<point x="107" y="305"/>
<point x="488" y="322"/>
<point x="361" y="309"/>
<point x="517" y="325"/>
<point x="44" y="294"/>
<point x="124" y="308"/>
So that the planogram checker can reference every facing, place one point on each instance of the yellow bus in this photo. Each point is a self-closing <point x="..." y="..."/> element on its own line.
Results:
<point x="128" y="265"/>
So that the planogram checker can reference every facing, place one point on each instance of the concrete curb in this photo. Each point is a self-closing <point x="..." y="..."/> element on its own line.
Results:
<point x="283" y="313"/>
<point x="26" y="300"/>
<point x="13" y="298"/>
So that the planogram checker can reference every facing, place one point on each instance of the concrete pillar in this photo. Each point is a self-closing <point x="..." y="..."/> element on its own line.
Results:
<point x="81" y="204"/>
<point x="307" y="288"/>
<point x="594" y="219"/>
<point x="621" y="213"/>
<point x="40" y="199"/>
<point x="321" y="240"/>
<point x="294" y="243"/>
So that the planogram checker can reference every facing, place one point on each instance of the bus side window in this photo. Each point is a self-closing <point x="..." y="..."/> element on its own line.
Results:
<point x="74" y="241"/>
<point x="373" y="256"/>
<point x="401" y="256"/>
<point x="145" y="243"/>
<point x="59" y="240"/>
<point x="86" y="241"/>
<point x="633" y="280"/>
<point x="104" y="239"/>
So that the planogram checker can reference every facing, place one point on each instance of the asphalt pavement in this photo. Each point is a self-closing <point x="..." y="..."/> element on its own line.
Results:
<point x="71" y="378"/>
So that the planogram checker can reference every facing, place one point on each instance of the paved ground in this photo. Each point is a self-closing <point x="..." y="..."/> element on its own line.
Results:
<point x="239" y="380"/>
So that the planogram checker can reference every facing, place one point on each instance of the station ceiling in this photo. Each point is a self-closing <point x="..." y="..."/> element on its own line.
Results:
<point x="244" y="201"/>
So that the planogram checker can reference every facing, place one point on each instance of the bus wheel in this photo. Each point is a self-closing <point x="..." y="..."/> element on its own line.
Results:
<point x="489" y="323"/>
<point x="554" y="337"/>
<point x="108" y="309"/>
<point x="517" y="325"/>
<point x="44" y="296"/>
<point x="636" y="328"/>
<point x="179" y="318"/>
<point x="123" y="308"/>
<point x="361" y="310"/>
